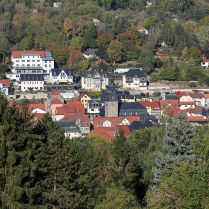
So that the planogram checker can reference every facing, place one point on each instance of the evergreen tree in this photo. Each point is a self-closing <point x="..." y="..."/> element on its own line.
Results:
<point x="167" y="34"/>
<point x="101" y="51"/>
<point x="176" y="146"/>
<point x="20" y="177"/>
<point x="193" y="41"/>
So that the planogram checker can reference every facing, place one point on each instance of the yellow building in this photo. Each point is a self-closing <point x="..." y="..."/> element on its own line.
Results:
<point x="84" y="98"/>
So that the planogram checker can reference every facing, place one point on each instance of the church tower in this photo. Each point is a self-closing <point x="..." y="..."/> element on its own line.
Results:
<point x="111" y="100"/>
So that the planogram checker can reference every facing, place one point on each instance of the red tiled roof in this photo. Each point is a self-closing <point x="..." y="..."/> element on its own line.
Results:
<point x="192" y="95"/>
<point x="125" y="128"/>
<point x="149" y="104"/>
<point x="34" y="106"/>
<point x="139" y="28"/>
<point x="83" y="94"/>
<point x="135" y="19"/>
<point x="54" y="92"/>
<point x="167" y="102"/>
<point x="187" y="103"/>
<point x="175" y="110"/>
<point x="115" y="119"/>
<point x="205" y="60"/>
<point x="56" y="101"/>
<point x="196" y="118"/>
<point x="75" y="99"/>
<point x="18" y="54"/>
<point x="195" y="109"/>
<point x="206" y="95"/>
<point x="38" y="116"/>
<point x="105" y="132"/>
<point x="5" y="83"/>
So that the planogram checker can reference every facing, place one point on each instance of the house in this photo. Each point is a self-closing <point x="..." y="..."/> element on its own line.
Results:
<point x="190" y="23"/>
<point x="69" y="108"/>
<point x="152" y="107"/>
<point x="71" y="132"/>
<point x="198" y="98"/>
<point x="206" y="99"/>
<point x="137" y="125"/>
<point x="31" y="82"/>
<point x="161" y="49"/>
<point x="135" y="79"/>
<point x="5" y="86"/>
<point x="142" y="30"/>
<point x="62" y="75"/>
<point x="96" y="21"/>
<point x="172" y="111"/>
<point x="90" y="53"/>
<point x="93" y="108"/>
<point x="57" y="4"/>
<point x="166" y="103"/>
<point x="113" y="121"/>
<point x="84" y="98"/>
<point x="81" y="120"/>
<point x="34" y="10"/>
<point x="94" y="80"/>
<point x="195" y="111"/>
<point x="163" y="44"/>
<point x="197" y="120"/>
<point x="37" y="108"/>
<point x="109" y="133"/>
<point x="205" y="62"/>
<point x="187" y="104"/>
<point x="30" y="62"/>
<point x="54" y="100"/>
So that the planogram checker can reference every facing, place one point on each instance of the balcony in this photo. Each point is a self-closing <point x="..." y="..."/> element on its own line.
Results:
<point x="63" y="86"/>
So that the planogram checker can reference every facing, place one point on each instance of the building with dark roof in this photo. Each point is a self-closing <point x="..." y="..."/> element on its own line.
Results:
<point x="94" y="80"/>
<point x="135" y="78"/>
<point x="137" y="125"/>
<point x="31" y="82"/>
<point x="93" y="108"/>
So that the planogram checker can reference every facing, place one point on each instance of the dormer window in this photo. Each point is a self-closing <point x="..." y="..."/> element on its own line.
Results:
<point x="54" y="73"/>
<point x="24" y="78"/>
<point x="28" y="78"/>
<point x="32" y="78"/>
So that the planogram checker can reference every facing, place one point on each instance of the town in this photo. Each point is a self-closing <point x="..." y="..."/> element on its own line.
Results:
<point x="89" y="103"/>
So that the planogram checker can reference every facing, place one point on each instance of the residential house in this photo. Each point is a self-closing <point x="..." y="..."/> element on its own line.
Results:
<point x="153" y="108"/>
<point x="113" y="121"/>
<point x="109" y="133"/>
<point x="198" y="120"/>
<point x="166" y="103"/>
<point x="94" y="80"/>
<point x="57" y="4"/>
<point x="172" y="111"/>
<point x="198" y="98"/>
<point x="142" y="30"/>
<point x="135" y="79"/>
<point x="71" y="132"/>
<point x="90" y="53"/>
<point x="5" y="86"/>
<point x="31" y="82"/>
<point x="206" y="100"/>
<point x="84" y="98"/>
<point x="34" y="10"/>
<point x="161" y="49"/>
<point x="27" y="62"/>
<point x="54" y="100"/>
<point x="187" y="104"/>
<point x="163" y="44"/>
<point x="205" y="62"/>
<point x="93" y="108"/>
<point x="37" y="108"/>
<point x="137" y="125"/>
<point x="195" y="111"/>
<point x="171" y="97"/>
<point x="81" y="120"/>
<point x="69" y="108"/>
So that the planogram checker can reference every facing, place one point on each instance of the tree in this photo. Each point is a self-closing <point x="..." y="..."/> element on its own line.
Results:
<point x="75" y="56"/>
<point x="115" y="51"/>
<point x="176" y="147"/>
<point x="67" y="27"/>
<point x="193" y="41"/>
<point x="150" y="21"/>
<point x="184" y="54"/>
<point x="167" y="34"/>
<point x="196" y="54"/>
<point x="104" y="39"/>
<point x="4" y="48"/>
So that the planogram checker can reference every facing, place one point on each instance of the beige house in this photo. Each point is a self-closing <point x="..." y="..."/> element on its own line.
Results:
<point x="84" y="98"/>
<point x="185" y="105"/>
<point x="198" y="98"/>
<point x="94" y="80"/>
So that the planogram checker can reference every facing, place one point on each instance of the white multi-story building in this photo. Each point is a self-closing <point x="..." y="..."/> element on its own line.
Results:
<point x="30" y="62"/>
<point x="135" y="79"/>
<point x="31" y="82"/>
<point x="94" y="80"/>
<point x="62" y="75"/>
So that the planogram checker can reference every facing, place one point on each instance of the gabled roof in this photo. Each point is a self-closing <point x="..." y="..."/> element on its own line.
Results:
<point x="192" y="95"/>
<point x="167" y="102"/>
<point x="34" y="106"/>
<point x="56" y="101"/>
<point x="68" y="71"/>
<point x="136" y="125"/>
<point x="105" y="132"/>
<point x="18" y="54"/>
<point x="196" y="118"/>
<point x="50" y="94"/>
<point x="125" y="128"/>
<point x="130" y="105"/>
<point x="81" y="95"/>
<point x="141" y="28"/>
<point x="38" y="116"/>
<point x="5" y="83"/>
<point x="195" y="109"/>
<point x="174" y="110"/>
<point x="205" y="60"/>
<point x="115" y="120"/>
<point x="187" y="103"/>
<point x="149" y="104"/>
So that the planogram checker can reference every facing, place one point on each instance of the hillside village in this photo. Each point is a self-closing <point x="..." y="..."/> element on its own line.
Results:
<point x="81" y="115"/>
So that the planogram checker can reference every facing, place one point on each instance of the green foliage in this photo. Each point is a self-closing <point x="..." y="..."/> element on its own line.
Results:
<point x="150" y="21"/>
<point x="192" y="84"/>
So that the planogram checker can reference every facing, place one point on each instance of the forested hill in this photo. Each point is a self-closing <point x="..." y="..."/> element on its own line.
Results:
<point x="79" y="25"/>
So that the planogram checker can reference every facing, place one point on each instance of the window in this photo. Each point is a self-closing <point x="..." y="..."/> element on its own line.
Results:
<point x="49" y="65"/>
<point x="111" y="134"/>
<point x="38" y="65"/>
<point x="135" y="113"/>
<point x="101" y="125"/>
<point x="33" y="65"/>
<point x="28" y="64"/>
<point x="112" y="97"/>
<point x="28" y="60"/>
<point x="45" y="61"/>
<point x="17" y="60"/>
<point x="45" y="65"/>
<point x="17" y="65"/>
<point x="23" y="56"/>
<point x="33" y="60"/>
<point x="49" y="61"/>
<point x="23" y="65"/>
<point x="22" y="60"/>
<point x="38" y="71"/>
<point x="130" y="113"/>
<point x="92" y="109"/>
<point x="28" y="56"/>
<point x="124" y="113"/>
<point x="38" y="60"/>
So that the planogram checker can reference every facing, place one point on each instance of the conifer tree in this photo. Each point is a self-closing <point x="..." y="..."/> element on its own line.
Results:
<point x="193" y="41"/>
<point x="20" y="177"/>
<point x="176" y="146"/>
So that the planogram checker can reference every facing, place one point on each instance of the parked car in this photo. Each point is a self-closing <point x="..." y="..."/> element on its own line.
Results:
<point x="177" y="92"/>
